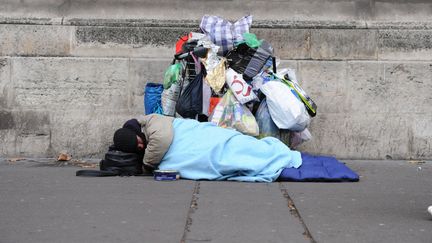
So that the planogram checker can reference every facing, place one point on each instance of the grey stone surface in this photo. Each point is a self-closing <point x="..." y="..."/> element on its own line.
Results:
<point x="287" y="43"/>
<point x="262" y="214"/>
<point x="127" y="41"/>
<point x="42" y="200"/>
<point x="344" y="44"/>
<point x="70" y="83"/>
<point x="50" y="204"/>
<point x="35" y="40"/>
<point x="361" y="136"/>
<point x="5" y="83"/>
<point x="326" y="82"/>
<point x="404" y="44"/>
<point x="169" y="9"/>
<point x="387" y="205"/>
<point x="143" y="71"/>
<point x="390" y="87"/>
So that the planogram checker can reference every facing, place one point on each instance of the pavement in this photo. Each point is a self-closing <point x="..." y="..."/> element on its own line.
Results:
<point x="42" y="200"/>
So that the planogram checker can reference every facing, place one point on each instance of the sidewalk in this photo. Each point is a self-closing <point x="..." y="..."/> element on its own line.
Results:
<point x="43" y="202"/>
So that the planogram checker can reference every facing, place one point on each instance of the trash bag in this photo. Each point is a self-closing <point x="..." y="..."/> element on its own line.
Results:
<point x="249" y="61"/>
<point x="241" y="90"/>
<point x="297" y="138"/>
<point x="224" y="33"/>
<point x="229" y="113"/>
<point x="267" y="128"/>
<point x="169" y="99"/>
<point x="172" y="75"/>
<point x="216" y="76"/>
<point x="286" y="110"/>
<point x="190" y="102"/>
<point x="152" y="98"/>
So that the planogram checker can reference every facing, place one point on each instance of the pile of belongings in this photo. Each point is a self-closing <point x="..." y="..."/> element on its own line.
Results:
<point x="226" y="76"/>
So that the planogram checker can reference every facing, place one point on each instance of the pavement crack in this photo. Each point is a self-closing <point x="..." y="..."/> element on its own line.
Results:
<point x="192" y="208"/>
<point x="293" y="210"/>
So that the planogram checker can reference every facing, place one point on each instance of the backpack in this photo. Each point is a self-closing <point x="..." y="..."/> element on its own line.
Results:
<point x="116" y="163"/>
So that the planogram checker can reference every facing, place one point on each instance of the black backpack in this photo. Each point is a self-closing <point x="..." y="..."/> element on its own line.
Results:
<point x="116" y="163"/>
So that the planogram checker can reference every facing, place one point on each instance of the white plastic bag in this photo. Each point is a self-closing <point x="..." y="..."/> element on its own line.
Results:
<point x="242" y="90"/>
<point x="169" y="99"/>
<point x="286" y="110"/>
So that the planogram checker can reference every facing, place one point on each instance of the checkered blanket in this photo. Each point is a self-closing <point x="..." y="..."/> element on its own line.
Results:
<point x="224" y="33"/>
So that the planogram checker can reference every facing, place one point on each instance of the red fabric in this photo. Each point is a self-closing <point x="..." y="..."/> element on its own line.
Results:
<point x="213" y="103"/>
<point x="180" y="42"/>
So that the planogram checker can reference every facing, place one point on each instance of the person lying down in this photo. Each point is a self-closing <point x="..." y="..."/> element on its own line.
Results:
<point x="204" y="151"/>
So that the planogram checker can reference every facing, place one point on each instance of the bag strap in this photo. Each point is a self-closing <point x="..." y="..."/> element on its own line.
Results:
<point x="96" y="173"/>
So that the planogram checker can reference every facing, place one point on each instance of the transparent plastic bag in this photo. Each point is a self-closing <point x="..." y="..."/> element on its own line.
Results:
<point x="172" y="75"/>
<point x="230" y="113"/>
<point x="297" y="138"/>
<point x="267" y="128"/>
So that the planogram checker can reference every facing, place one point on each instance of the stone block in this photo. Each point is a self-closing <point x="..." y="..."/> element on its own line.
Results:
<point x="390" y="88"/>
<point x="287" y="43"/>
<point x="127" y="41"/>
<point x="35" y="40"/>
<point x="25" y="133"/>
<point x="8" y="138"/>
<point x="420" y="136"/>
<point x="326" y="83"/>
<point x="85" y="133"/>
<point x="143" y="71"/>
<point x="344" y="44"/>
<point x="356" y="136"/>
<point x="5" y="82"/>
<point x="405" y="44"/>
<point x="71" y="83"/>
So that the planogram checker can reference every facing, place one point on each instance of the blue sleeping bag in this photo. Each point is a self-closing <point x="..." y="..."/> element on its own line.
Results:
<point x="319" y="169"/>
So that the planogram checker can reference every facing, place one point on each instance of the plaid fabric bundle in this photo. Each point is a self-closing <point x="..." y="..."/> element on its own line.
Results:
<point x="224" y="33"/>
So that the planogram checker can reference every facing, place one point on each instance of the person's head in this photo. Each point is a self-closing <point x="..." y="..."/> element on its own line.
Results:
<point x="128" y="141"/>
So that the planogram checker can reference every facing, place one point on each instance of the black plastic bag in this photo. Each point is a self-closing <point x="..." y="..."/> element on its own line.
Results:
<point x="249" y="61"/>
<point x="190" y="102"/>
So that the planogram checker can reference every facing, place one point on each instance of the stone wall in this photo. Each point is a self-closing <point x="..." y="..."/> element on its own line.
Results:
<point x="71" y="72"/>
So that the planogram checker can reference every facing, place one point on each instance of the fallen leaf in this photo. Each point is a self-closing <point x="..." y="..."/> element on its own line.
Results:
<point x="13" y="160"/>
<point x="64" y="157"/>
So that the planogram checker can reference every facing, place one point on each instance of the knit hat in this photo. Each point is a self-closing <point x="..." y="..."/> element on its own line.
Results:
<point x="125" y="140"/>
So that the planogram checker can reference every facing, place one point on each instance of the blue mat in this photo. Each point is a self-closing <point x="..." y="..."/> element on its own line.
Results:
<point x="319" y="169"/>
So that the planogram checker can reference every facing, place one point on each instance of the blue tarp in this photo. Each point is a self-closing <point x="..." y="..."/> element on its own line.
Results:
<point x="319" y="169"/>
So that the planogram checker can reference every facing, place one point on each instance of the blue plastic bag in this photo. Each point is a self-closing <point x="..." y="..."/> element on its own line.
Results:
<point x="267" y="128"/>
<point x="152" y="98"/>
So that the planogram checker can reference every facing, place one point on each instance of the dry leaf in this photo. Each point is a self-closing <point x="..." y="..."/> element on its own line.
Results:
<point x="64" y="157"/>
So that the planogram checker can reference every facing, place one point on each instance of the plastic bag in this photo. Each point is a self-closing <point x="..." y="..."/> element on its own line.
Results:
<point x="169" y="99"/>
<point x="216" y="77"/>
<point x="229" y="113"/>
<point x="297" y="138"/>
<point x="249" y="61"/>
<point x="190" y="102"/>
<point x="152" y="98"/>
<point x="172" y="75"/>
<point x="286" y="110"/>
<point x="242" y="90"/>
<point x="224" y="33"/>
<point x="251" y="40"/>
<point x="206" y="98"/>
<point x="267" y="128"/>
